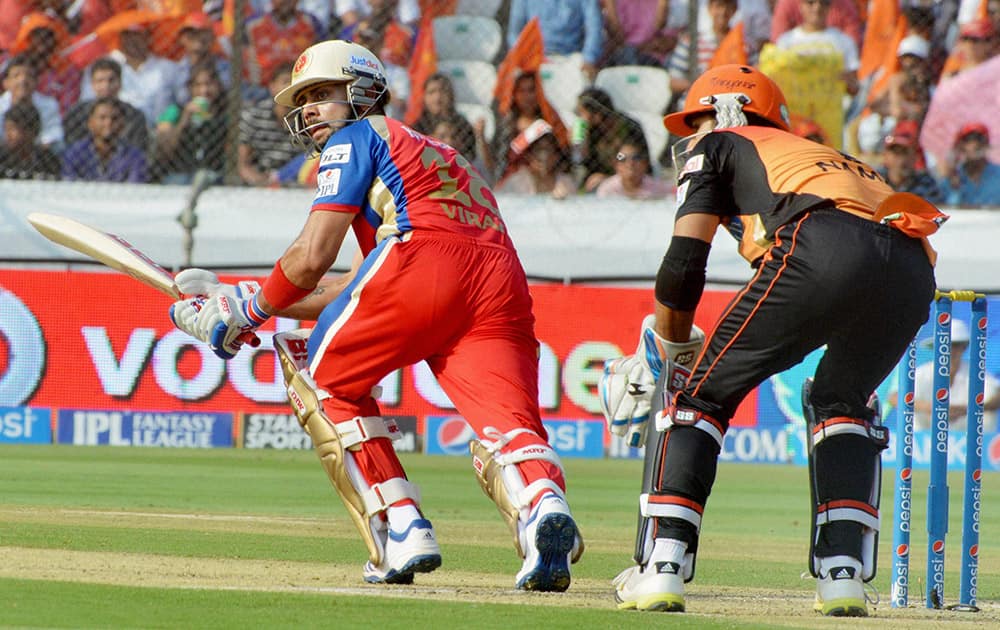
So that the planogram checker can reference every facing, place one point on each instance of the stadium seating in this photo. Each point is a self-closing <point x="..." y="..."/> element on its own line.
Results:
<point x="562" y="82"/>
<point x="483" y="8"/>
<point x="656" y="135"/>
<point x="636" y="88"/>
<point x="474" y="112"/>
<point x="473" y="80"/>
<point x="467" y="38"/>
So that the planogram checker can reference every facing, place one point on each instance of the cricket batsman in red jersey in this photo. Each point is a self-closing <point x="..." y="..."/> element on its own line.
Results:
<point x="440" y="282"/>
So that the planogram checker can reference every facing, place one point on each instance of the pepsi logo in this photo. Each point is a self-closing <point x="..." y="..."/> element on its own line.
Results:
<point x="981" y="323"/>
<point x="905" y="474"/>
<point x="902" y="550"/>
<point x="980" y="398"/>
<point x="942" y="394"/>
<point x="944" y="319"/>
<point x="909" y="398"/>
<point x="454" y="435"/>
<point x="938" y="546"/>
<point x="973" y="551"/>
<point x="977" y="475"/>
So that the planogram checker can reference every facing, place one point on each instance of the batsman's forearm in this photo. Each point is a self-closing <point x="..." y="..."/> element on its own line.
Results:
<point x="309" y="307"/>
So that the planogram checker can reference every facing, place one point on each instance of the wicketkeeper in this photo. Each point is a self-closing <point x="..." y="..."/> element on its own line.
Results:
<point x="840" y="261"/>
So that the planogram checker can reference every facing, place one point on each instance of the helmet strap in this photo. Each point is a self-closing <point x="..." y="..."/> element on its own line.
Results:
<point x="728" y="109"/>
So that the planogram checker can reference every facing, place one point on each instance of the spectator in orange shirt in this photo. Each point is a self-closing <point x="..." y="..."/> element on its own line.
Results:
<point x="39" y="39"/>
<point x="80" y="17"/>
<point x="277" y="37"/>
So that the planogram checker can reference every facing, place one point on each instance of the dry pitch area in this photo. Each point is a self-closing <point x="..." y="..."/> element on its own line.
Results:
<point x="721" y="603"/>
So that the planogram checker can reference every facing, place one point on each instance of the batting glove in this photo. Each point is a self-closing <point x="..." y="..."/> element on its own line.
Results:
<point x="226" y="323"/>
<point x="204" y="283"/>
<point x="184" y="314"/>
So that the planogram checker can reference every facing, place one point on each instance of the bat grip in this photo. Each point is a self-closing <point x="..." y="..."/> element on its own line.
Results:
<point x="250" y="339"/>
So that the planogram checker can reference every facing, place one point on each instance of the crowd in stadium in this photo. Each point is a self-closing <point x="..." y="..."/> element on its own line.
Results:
<point x="140" y="90"/>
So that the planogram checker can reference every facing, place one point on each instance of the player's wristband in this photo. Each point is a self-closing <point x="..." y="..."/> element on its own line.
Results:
<point x="253" y="312"/>
<point x="279" y="291"/>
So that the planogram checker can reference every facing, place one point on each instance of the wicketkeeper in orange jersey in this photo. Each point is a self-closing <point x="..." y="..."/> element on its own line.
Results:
<point x="841" y="260"/>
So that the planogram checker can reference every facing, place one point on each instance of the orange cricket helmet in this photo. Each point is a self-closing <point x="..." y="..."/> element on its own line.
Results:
<point x="765" y="97"/>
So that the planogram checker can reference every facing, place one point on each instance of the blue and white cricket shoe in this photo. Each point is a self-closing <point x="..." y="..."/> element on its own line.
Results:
<point x="551" y="536"/>
<point x="414" y="550"/>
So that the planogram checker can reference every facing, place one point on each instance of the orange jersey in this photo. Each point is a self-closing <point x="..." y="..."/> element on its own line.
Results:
<point x="760" y="178"/>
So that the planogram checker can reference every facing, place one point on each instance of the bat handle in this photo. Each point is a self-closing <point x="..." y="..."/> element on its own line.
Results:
<point x="250" y="339"/>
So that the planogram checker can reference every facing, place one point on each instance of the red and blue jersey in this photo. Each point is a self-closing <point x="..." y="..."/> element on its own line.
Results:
<point x="397" y="180"/>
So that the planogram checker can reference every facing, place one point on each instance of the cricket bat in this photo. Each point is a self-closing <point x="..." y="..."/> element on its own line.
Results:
<point x="109" y="249"/>
<point x="113" y="251"/>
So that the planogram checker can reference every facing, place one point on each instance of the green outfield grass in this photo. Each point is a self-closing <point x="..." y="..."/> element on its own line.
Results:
<point x="129" y="537"/>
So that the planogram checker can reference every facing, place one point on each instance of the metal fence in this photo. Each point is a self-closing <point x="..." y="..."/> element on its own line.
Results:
<point x="164" y="91"/>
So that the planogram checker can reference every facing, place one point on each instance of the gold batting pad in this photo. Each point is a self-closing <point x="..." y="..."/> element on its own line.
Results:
<point x="488" y="473"/>
<point x="305" y="402"/>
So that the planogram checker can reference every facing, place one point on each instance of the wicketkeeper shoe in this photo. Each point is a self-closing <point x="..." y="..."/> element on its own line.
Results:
<point x="550" y="540"/>
<point x="414" y="550"/>
<point x="659" y="586"/>
<point x="839" y="590"/>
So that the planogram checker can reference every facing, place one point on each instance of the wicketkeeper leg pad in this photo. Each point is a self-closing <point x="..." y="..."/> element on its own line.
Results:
<point x="845" y="478"/>
<point x="498" y="476"/>
<point x="335" y="443"/>
<point x="679" y="471"/>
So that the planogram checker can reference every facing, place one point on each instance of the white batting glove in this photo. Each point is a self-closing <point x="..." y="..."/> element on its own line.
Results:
<point x="195" y="282"/>
<point x="184" y="315"/>
<point x="626" y="391"/>
<point x="226" y="323"/>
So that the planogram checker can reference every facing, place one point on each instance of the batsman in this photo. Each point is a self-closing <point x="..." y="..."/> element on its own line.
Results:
<point x="440" y="282"/>
<point x="840" y="261"/>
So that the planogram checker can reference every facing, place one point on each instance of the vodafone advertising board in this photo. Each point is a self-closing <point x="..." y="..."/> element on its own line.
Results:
<point x="101" y="341"/>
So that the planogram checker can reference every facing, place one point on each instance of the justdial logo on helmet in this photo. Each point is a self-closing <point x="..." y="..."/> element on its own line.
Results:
<point x="366" y="62"/>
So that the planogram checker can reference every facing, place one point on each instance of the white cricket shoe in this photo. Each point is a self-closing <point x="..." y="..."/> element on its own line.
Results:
<point x="659" y="586"/>
<point x="840" y="591"/>
<point x="550" y="541"/>
<point x="414" y="550"/>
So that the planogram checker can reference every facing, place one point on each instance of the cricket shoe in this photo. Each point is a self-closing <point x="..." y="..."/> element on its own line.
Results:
<point x="552" y="540"/>
<point x="414" y="550"/>
<point x="659" y="586"/>
<point x="840" y="591"/>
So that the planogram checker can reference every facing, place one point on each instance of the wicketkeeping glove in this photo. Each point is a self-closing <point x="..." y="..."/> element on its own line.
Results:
<point x="626" y="387"/>
<point x="626" y="390"/>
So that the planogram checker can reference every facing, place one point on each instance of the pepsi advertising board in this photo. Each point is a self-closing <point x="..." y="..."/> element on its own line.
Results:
<point x="25" y="425"/>
<point x="450" y="435"/>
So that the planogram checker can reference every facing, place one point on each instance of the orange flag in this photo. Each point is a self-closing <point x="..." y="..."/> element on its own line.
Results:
<point x="882" y="37"/>
<point x="732" y="48"/>
<point x="526" y="57"/>
<point x="422" y="65"/>
<point x="435" y="8"/>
